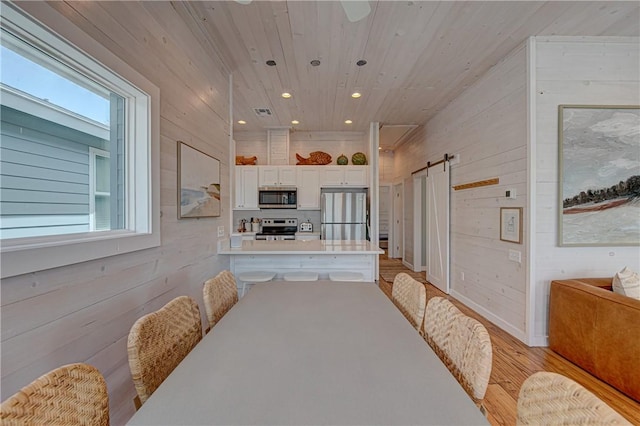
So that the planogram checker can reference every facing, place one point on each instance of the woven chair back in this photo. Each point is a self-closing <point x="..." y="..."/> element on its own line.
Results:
<point x="438" y="324"/>
<point x="462" y="343"/>
<point x="160" y="340"/>
<point x="552" y="399"/>
<point x="410" y="296"/>
<point x="470" y="354"/>
<point x="74" y="394"/>
<point x="220" y="294"/>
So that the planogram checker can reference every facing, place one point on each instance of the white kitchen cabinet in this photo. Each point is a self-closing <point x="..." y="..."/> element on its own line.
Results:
<point x="338" y="176"/>
<point x="308" y="183"/>
<point x="277" y="175"/>
<point x="246" y="191"/>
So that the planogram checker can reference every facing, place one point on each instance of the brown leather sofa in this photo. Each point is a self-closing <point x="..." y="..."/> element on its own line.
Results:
<point x="598" y="330"/>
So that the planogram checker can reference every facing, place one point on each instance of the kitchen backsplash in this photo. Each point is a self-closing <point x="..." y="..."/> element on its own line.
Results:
<point x="312" y="216"/>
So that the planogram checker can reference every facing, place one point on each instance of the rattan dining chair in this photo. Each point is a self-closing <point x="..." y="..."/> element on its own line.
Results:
<point x="74" y="394"/>
<point x="410" y="296"/>
<point x="159" y="341"/>
<point x="220" y="294"/>
<point x="438" y="320"/>
<point x="470" y="357"/>
<point x="552" y="399"/>
<point x="462" y="343"/>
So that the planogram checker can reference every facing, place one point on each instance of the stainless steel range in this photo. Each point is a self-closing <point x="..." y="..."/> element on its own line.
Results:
<point x="278" y="229"/>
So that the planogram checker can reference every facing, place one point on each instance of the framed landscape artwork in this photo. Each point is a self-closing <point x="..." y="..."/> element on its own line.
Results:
<point x="198" y="183"/>
<point x="599" y="175"/>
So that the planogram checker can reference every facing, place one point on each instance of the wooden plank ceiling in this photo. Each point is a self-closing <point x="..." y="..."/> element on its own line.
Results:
<point x="420" y="54"/>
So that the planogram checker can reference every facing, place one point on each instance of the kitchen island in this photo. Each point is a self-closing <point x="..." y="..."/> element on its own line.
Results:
<point x="321" y="256"/>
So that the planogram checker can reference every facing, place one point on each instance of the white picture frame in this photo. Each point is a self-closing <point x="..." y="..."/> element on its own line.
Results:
<point x="511" y="224"/>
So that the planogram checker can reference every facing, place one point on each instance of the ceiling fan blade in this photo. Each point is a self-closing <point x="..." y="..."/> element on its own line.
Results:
<point x="356" y="9"/>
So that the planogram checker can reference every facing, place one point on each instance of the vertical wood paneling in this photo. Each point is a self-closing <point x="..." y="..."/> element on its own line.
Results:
<point x="83" y="312"/>
<point x="486" y="126"/>
<point x="579" y="71"/>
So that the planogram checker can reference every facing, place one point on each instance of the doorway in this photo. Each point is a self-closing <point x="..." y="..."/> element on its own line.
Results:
<point x="384" y="215"/>
<point x="396" y="242"/>
<point x="420" y="222"/>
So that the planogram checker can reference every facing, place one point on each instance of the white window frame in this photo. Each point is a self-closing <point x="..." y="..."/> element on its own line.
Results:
<point x="58" y="36"/>
<point x="93" y="153"/>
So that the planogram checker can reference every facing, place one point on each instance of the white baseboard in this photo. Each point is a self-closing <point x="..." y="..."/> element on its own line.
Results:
<point x="407" y="264"/>
<point x="509" y="328"/>
<point x="539" y="341"/>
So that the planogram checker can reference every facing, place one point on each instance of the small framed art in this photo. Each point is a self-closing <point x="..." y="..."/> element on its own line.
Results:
<point x="511" y="224"/>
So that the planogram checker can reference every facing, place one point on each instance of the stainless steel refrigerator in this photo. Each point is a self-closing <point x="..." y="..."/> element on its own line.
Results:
<point x="343" y="216"/>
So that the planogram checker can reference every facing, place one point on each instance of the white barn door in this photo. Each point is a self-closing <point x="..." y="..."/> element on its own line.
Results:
<point x="438" y="226"/>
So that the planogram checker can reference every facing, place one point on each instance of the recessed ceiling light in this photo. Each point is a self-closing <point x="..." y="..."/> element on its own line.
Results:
<point x="356" y="95"/>
<point x="286" y="95"/>
<point x="295" y="122"/>
<point x="361" y="62"/>
<point x="242" y="122"/>
<point x="348" y="121"/>
<point x="379" y="148"/>
<point x="271" y="63"/>
<point x="315" y="62"/>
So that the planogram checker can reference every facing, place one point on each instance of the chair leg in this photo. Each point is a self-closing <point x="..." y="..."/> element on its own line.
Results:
<point x="137" y="403"/>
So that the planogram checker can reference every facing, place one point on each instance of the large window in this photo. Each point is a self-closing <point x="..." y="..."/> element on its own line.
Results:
<point x="78" y="149"/>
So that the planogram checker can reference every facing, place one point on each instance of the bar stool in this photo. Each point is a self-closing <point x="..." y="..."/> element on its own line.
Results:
<point x="345" y="276"/>
<point x="254" y="277"/>
<point x="301" y="276"/>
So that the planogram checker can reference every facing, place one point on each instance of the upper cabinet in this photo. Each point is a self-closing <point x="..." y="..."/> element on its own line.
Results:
<point x="308" y="187"/>
<point x="246" y="188"/>
<point x="337" y="176"/>
<point x="277" y="176"/>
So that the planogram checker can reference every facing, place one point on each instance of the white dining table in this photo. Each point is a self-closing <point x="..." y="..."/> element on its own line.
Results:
<point x="311" y="353"/>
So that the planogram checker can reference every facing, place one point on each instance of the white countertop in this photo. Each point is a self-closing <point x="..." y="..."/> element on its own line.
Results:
<point x="303" y="247"/>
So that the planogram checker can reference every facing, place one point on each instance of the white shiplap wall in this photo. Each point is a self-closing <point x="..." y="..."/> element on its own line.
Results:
<point x="486" y="126"/>
<point x="385" y="159"/>
<point x="578" y="71"/>
<point x="83" y="312"/>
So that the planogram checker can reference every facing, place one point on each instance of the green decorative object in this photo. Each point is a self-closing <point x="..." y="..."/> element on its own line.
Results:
<point x="342" y="160"/>
<point x="359" y="159"/>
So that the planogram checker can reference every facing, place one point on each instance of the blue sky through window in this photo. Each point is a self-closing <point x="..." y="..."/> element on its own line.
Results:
<point x="23" y="74"/>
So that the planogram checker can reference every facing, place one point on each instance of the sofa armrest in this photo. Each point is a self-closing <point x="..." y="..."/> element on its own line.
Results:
<point x="604" y="283"/>
<point x="572" y="323"/>
<point x="598" y="330"/>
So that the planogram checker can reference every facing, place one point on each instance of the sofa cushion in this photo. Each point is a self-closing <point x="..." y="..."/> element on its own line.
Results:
<point x="627" y="283"/>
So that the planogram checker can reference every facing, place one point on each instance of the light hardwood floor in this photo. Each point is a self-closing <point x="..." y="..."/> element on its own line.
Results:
<point x="513" y="361"/>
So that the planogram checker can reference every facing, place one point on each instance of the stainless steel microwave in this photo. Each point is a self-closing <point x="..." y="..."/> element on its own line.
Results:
<point x="277" y="197"/>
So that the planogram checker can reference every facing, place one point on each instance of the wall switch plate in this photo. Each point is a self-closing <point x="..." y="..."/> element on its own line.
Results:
<point x="221" y="231"/>
<point x="515" y="255"/>
<point x="511" y="194"/>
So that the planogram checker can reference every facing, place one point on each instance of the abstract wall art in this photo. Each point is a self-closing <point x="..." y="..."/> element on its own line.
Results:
<point x="599" y="175"/>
